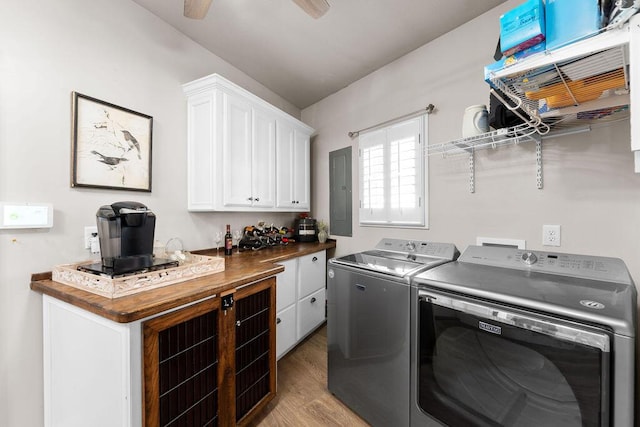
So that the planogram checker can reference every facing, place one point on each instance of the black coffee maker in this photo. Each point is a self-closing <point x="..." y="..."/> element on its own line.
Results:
<point x="126" y="230"/>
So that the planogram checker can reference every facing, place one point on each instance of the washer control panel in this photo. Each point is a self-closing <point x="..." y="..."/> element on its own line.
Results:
<point x="419" y="248"/>
<point x="585" y="266"/>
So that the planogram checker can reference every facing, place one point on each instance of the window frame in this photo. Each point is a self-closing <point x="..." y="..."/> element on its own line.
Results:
<point x="375" y="146"/>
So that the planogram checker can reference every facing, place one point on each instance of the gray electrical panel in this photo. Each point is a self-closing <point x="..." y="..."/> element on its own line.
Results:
<point x="340" y="193"/>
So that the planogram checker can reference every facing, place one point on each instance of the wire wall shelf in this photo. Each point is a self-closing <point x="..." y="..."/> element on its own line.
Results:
<point x="556" y="93"/>
<point x="493" y="139"/>
<point x="577" y="84"/>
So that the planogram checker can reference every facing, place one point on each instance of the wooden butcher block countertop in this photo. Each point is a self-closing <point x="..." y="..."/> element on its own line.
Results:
<point x="240" y="269"/>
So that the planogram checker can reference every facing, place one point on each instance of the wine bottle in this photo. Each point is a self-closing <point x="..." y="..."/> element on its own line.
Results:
<point x="228" y="241"/>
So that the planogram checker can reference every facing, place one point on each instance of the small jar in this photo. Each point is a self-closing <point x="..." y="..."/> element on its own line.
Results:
<point x="475" y="121"/>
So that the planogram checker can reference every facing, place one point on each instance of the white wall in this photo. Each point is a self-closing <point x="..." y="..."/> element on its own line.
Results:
<point x="589" y="185"/>
<point x="590" y="188"/>
<point x="118" y="52"/>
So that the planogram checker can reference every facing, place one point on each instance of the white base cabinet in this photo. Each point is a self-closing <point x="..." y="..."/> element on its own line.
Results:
<point x="285" y="330"/>
<point x="300" y="299"/>
<point x="92" y="369"/>
<point x="286" y="307"/>
<point x="312" y="309"/>
<point x="243" y="154"/>
<point x="197" y="364"/>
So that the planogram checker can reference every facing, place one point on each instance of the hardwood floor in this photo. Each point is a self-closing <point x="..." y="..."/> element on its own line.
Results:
<point x="303" y="398"/>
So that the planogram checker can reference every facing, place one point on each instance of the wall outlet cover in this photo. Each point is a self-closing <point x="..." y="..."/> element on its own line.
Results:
<point x="88" y="232"/>
<point x="551" y="235"/>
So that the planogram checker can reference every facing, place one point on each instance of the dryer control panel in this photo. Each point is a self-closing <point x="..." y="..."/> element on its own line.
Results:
<point x="583" y="266"/>
<point x="419" y="248"/>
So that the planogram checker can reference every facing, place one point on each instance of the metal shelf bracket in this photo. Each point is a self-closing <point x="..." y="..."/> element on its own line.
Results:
<point x="539" y="164"/>
<point x="472" y="171"/>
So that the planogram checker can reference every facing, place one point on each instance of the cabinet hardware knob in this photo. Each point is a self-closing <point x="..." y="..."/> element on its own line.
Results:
<point x="257" y="199"/>
<point x="249" y="198"/>
<point x="278" y="320"/>
<point x="314" y="259"/>
<point x="238" y="323"/>
<point x="313" y="300"/>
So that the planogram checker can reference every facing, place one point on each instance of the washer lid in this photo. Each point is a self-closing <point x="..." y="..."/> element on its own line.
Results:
<point x="385" y="262"/>
<point x="400" y="257"/>
<point x="598" y="297"/>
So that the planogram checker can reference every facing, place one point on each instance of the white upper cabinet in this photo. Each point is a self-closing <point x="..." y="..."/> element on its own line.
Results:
<point x="302" y="170"/>
<point x="263" y="174"/>
<point x="293" y="168"/>
<point x="237" y="153"/>
<point x="234" y="151"/>
<point x="248" y="147"/>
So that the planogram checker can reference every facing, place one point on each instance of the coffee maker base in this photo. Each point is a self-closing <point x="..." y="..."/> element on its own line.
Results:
<point x="126" y="269"/>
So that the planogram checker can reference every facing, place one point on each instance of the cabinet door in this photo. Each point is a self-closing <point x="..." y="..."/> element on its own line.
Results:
<point x="263" y="160"/>
<point x="201" y="152"/>
<point x="286" y="284"/>
<point x="284" y="165"/>
<point x="293" y="175"/>
<point x="255" y="356"/>
<point x="311" y="273"/>
<point x="311" y="313"/>
<point x="285" y="330"/>
<point x="181" y="354"/>
<point x="236" y="149"/>
<point x="302" y="171"/>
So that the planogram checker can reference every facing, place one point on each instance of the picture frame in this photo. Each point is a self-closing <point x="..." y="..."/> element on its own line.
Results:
<point x="111" y="146"/>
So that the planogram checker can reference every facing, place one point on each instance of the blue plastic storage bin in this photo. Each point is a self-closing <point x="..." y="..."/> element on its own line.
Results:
<point x="570" y="20"/>
<point x="522" y="27"/>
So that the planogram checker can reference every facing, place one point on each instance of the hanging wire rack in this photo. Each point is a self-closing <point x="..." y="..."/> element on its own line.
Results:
<point x="558" y="92"/>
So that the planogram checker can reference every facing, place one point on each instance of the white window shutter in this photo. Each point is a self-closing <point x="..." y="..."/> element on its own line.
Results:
<point x="392" y="175"/>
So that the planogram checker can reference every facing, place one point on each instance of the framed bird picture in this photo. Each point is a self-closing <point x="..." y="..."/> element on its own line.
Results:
<point x="111" y="146"/>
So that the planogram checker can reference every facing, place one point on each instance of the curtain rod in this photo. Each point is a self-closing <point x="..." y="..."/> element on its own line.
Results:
<point x="428" y="109"/>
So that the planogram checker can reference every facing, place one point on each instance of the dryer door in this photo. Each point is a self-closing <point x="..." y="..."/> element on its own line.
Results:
<point x="482" y="364"/>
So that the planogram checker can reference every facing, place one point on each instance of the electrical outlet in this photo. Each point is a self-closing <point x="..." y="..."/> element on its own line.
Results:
<point x="88" y="231"/>
<point x="551" y="235"/>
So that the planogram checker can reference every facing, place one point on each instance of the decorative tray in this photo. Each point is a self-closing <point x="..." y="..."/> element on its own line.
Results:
<point x="198" y="266"/>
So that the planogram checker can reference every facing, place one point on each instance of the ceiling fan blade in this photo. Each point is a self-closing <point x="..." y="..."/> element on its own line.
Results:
<point x="196" y="9"/>
<point x="315" y="8"/>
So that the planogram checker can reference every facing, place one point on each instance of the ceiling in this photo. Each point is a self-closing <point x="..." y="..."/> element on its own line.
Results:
<point x="303" y="59"/>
